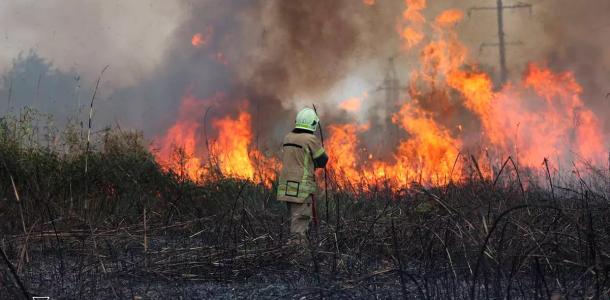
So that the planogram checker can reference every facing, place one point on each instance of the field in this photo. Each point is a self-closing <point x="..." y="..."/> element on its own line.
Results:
<point x="109" y="222"/>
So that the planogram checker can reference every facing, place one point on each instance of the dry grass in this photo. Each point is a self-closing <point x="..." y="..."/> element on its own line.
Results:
<point x="128" y="229"/>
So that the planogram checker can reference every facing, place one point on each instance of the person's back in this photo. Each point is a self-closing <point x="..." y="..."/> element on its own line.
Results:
<point x="302" y="152"/>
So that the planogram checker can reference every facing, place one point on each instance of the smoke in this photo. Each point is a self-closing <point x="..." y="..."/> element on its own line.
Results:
<point x="306" y="47"/>
<point x="278" y="55"/>
<point x="577" y="34"/>
<point x="87" y="35"/>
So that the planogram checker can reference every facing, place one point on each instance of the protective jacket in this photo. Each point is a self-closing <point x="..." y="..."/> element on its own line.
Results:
<point x="302" y="152"/>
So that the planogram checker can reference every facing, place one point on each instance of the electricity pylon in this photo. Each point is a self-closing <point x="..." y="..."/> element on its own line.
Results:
<point x="499" y="8"/>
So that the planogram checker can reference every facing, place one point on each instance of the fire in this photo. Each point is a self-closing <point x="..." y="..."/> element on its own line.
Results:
<point x="564" y="123"/>
<point x="412" y="16"/>
<point x="426" y="157"/>
<point x="202" y="39"/>
<point x="231" y="153"/>
<point x="351" y="105"/>
<point x="343" y="144"/>
<point x="232" y="146"/>
<point x="179" y="145"/>
<point x="197" y="40"/>
<point x="541" y="116"/>
<point x="449" y="18"/>
<point x="413" y="11"/>
<point x="430" y="152"/>
<point x="411" y="36"/>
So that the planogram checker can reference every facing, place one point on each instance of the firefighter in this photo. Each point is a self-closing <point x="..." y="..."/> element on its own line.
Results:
<point x="302" y="153"/>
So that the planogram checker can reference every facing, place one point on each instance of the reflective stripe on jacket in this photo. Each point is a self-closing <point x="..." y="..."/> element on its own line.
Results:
<point x="297" y="178"/>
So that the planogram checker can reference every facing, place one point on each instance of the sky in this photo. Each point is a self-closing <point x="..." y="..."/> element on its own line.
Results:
<point x="131" y="36"/>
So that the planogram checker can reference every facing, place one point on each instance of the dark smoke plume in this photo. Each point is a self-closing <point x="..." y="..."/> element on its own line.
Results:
<point x="280" y="55"/>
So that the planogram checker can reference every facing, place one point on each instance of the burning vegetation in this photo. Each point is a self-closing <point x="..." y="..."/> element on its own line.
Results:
<point x="452" y="121"/>
<point x="454" y="185"/>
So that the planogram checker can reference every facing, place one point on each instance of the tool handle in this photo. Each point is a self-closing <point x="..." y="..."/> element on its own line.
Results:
<point x="319" y="125"/>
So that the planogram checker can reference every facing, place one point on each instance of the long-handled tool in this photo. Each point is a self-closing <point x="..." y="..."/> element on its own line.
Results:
<point x="314" y="212"/>
<point x="325" y="174"/>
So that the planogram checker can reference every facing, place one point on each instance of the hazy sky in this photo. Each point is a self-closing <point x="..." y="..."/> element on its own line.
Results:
<point x="87" y="35"/>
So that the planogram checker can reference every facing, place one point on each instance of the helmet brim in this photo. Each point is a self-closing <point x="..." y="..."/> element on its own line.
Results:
<point x="305" y="127"/>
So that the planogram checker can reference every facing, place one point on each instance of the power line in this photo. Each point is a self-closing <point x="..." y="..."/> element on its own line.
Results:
<point x="499" y="8"/>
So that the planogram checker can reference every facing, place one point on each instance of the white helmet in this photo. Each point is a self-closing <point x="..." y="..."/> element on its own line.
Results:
<point x="307" y="119"/>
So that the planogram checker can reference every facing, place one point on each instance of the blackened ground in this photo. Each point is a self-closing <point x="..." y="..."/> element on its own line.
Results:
<point x="419" y="244"/>
<point x="112" y="223"/>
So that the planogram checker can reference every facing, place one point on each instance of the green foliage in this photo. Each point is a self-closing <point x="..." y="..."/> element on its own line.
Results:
<point x="122" y="178"/>
<point x="50" y="179"/>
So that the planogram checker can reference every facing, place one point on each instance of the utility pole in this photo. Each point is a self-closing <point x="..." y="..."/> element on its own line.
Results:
<point x="390" y="86"/>
<point x="392" y="90"/>
<point x="500" y="16"/>
<point x="499" y="8"/>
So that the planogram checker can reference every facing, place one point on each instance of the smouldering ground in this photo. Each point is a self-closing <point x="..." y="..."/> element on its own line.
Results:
<point x="456" y="242"/>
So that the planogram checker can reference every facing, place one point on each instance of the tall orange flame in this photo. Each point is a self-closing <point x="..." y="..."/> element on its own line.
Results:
<point x="414" y="19"/>
<point x="540" y="116"/>
<point x="183" y="148"/>
<point x="179" y="147"/>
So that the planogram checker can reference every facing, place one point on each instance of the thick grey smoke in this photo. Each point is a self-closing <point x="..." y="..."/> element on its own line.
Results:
<point x="305" y="47"/>
<point x="577" y="34"/>
<point x="277" y="54"/>
<point x="280" y="55"/>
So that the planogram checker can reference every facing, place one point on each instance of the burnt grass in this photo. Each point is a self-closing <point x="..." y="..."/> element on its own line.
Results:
<point x="127" y="228"/>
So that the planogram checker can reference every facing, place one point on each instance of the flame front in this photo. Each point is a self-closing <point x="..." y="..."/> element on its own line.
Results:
<point x="184" y="149"/>
<point x="179" y="147"/>
<point x="541" y="116"/>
